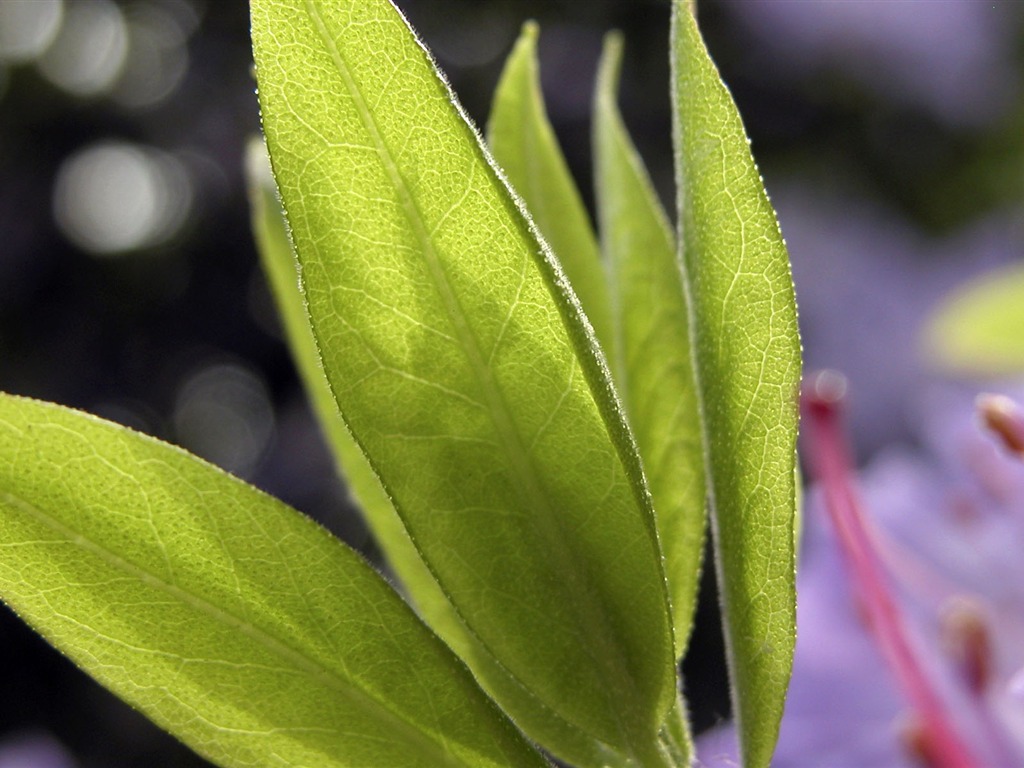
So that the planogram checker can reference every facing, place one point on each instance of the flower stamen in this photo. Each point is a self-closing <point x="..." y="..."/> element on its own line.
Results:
<point x="934" y="738"/>
<point x="1004" y="418"/>
<point x="968" y="643"/>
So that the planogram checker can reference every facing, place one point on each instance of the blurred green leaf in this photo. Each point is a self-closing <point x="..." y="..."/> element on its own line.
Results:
<point x="464" y="371"/>
<point x="978" y="330"/>
<point x="228" y="618"/>
<point x="525" y="145"/>
<point x="747" y="356"/>
<point x="653" y="372"/>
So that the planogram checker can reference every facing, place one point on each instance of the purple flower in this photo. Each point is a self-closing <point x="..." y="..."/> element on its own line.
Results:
<point x="953" y="58"/>
<point x="33" y="750"/>
<point x="910" y="645"/>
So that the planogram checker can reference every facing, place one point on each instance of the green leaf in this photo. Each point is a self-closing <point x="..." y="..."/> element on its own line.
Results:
<point x="426" y="595"/>
<point x="979" y="329"/>
<point x="231" y="620"/>
<point x="653" y="372"/>
<point x="747" y="358"/>
<point x="525" y="145"/>
<point x="281" y="269"/>
<point x="463" y="369"/>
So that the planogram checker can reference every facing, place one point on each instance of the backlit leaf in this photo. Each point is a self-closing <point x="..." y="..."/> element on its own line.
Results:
<point x="653" y="372"/>
<point x="281" y="269"/>
<point x="459" y="361"/>
<point x="231" y="620"/>
<point x="525" y="145"/>
<point x="424" y="592"/>
<point x="747" y="356"/>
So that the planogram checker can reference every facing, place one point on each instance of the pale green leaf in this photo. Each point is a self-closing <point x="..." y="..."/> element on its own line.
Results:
<point x="231" y="620"/>
<point x="524" y="144"/>
<point x="423" y="591"/>
<point x="652" y="370"/>
<point x="463" y="370"/>
<point x="978" y="330"/>
<point x="747" y="358"/>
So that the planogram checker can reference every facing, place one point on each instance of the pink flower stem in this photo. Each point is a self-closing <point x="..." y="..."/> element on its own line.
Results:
<point x="938" y="741"/>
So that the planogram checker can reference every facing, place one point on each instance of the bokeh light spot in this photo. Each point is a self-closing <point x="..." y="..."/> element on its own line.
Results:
<point x="27" y="27"/>
<point x="223" y="413"/>
<point x="114" y="198"/>
<point x="88" y="54"/>
<point x="157" y="56"/>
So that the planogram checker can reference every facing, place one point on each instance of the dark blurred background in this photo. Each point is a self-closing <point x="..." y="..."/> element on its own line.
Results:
<point x="890" y="135"/>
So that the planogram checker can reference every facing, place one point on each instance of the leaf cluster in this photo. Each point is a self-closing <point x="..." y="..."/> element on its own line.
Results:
<point x="533" y="416"/>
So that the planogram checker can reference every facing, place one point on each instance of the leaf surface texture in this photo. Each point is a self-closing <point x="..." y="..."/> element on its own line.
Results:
<point x="463" y="369"/>
<point x="747" y="362"/>
<point x="231" y="620"/>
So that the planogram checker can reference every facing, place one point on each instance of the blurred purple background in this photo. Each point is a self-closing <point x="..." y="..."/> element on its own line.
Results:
<point x="890" y="136"/>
